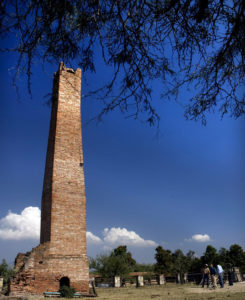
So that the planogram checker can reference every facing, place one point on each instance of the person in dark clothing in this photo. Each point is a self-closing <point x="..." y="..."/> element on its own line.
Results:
<point x="230" y="274"/>
<point x="213" y="273"/>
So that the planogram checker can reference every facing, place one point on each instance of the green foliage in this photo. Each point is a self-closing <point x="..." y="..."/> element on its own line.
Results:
<point x="67" y="292"/>
<point x="193" y="263"/>
<point x="210" y="256"/>
<point x="194" y="44"/>
<point x="6" y="271"/>
<point x="110" y="266"/>
<point x="121" y="251"/>
<point x="224" y="257"/>
<point x="195" y="266"/>
<point x="164" y="260"/>
<point x="144" y="268"/>
<point x="180" y="262"/>
<point x="177" y="262"/>
<point x="172" y="263"/>
<point x="237" y="256"/>
<point x="118" y="263"/>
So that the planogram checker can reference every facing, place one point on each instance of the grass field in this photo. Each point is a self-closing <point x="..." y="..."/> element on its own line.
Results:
<point x="173" y="291"/>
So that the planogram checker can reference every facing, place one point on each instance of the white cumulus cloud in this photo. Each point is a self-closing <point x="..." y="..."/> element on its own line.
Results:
<point x="201" y="238"/>
<point x="123" y="236"/>
<point x="92" y="239"/>
<point x="25" y="225"/>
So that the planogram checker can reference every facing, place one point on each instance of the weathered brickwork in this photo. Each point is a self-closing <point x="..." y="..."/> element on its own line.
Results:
<point x="62" y="249"/>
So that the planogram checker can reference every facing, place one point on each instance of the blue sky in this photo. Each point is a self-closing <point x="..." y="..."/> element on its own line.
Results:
<point x="179" y="187"/>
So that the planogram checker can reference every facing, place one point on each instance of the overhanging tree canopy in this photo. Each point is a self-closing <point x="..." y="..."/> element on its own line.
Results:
<point x="199" y="43"/>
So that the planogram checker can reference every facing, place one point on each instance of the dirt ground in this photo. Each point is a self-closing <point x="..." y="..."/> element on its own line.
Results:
<point x="173" y="291"/>
<point x="169" y="291"/>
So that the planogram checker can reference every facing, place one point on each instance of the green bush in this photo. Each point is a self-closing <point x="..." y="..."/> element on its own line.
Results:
<point x="6" y="271"/>
<point x="67" y="292"/>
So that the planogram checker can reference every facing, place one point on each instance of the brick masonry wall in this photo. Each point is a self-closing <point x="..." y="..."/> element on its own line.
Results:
<point x="62" y="249"/>
<point x="38" y="271"/>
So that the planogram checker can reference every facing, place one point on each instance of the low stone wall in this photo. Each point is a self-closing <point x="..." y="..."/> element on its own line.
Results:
<point x="139" y="279"/>
<point x="135" y="279"/>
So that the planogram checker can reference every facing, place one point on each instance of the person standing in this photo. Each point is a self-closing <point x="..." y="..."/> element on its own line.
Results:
<point x="206" y="273"/>
<point x="220" y="274"/>
<point x="230" y="274"/>
<point x="213" y="273"/>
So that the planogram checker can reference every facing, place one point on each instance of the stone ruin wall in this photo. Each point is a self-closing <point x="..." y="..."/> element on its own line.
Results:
<point x="39" y="272"/>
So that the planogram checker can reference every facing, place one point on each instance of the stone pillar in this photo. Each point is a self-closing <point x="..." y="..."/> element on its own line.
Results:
<point x="178" y="278"/>
<point x="237" y="275"/>
<point x="117" y="281"/>
<point x="161" y="279"/>
<point x="140" y="281"/>
<point x="91" y="281"/>
<point x="1" y="284"/>
<point x="92" y="285"/>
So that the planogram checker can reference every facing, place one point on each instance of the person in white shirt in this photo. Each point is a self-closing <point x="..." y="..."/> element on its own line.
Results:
<point x="220" y="274"/>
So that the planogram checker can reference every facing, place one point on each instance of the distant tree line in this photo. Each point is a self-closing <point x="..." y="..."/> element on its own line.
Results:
<point x="168" y="262"/>
<point x="120" y="262"/>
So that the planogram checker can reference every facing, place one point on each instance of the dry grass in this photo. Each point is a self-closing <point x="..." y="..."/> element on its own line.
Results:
<point x="173" y="291"/>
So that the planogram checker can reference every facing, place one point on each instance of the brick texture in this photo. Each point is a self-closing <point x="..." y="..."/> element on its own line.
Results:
<point x="62" y="249"/>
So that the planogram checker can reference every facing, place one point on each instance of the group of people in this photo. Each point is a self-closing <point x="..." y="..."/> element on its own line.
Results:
<point x="214" y="271"/>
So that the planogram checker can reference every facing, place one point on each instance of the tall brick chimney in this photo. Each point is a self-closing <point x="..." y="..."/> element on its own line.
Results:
<point x="61" y="257"/>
